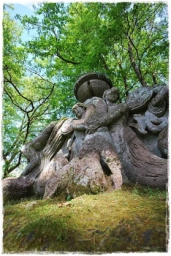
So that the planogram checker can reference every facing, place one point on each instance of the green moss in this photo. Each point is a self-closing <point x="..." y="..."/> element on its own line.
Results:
<point x="119" y="221"/>
<point x="76" y="190"/>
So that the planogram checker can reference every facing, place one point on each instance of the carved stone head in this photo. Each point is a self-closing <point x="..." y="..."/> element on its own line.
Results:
<point x="79" y="109"/>
<point x="139" y="98"/>
<point x="111" y="95"/>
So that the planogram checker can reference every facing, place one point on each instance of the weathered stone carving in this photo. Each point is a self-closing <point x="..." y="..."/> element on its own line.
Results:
<point x="90" y="85"/>
<point x="107" y="144"/>
<point x="41" y="150"/>
<point x="153" y="119"/>
<point x="163" y="142"/>
<point x="142" y="166"/>
<point x="80" y="176"/>
<point x="99" y="140"/>
<point x="139" y="99"/>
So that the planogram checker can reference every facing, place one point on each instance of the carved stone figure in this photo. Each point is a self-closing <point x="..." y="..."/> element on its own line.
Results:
<point x="32" y="151"/>
<point x="52" y="143"/>
<point x="139" y="99"/>
<point x="108" y="142"/>
<point x="43" y="148"/>
<point x="79" y="127"/>
<point x="55" y="153"/>
<point x="152" y="115"/>
<point x="117" y="123"/>
<point x="99" y="140"/>
<point x="153" y="119"/>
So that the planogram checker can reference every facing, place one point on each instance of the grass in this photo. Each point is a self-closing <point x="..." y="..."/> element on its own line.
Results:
<point x="133" y="219"/>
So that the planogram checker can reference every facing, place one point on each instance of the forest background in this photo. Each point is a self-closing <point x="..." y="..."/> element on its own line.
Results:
<point x="127" y="41"/>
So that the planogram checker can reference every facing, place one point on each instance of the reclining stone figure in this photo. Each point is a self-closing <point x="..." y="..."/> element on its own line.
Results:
<point x="108" y="142"/>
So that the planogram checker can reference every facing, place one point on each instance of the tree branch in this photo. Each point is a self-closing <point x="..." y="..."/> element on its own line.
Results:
<point x="58" y="53"/>
<point x="154" y="78"/>
<point x="135" y="67"/>
<point x="10" y="81"/>
<point x="17" y="164"/>
<point x="104" y="62"/>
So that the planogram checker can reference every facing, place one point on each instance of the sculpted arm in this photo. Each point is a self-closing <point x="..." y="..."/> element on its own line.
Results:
<point x="81" y="124"/>
<point x="111" y="116"/>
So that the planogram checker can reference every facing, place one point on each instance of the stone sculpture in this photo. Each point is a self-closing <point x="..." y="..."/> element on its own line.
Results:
<point x="153" y="119"/>
<point x="108" y="142"/>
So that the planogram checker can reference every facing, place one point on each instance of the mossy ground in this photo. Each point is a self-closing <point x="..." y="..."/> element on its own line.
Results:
<point x="133" y="219"/>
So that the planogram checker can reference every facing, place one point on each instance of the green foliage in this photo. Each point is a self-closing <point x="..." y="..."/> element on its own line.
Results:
<point x="26" y="97"/>
<point x="126" y="41"/>
<point x="129" y="42"/>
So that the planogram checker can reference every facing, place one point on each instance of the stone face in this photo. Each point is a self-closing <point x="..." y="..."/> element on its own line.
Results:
<point x="108" y="143"/>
